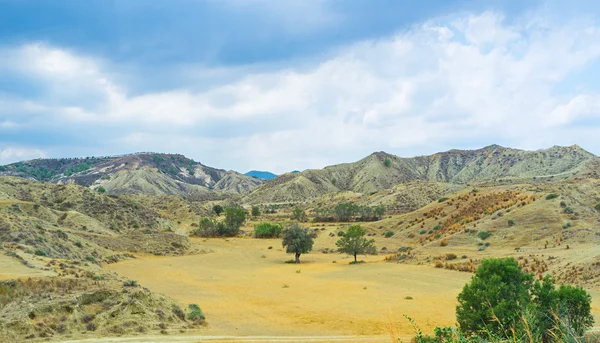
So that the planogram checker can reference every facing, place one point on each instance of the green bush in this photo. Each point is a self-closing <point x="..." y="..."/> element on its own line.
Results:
<point x="387" y="162"/>
<point x="442" y="199"/>
<point x="568" y="210"/>
<point x="40" y="252"/>
<point x="483" y="235"/>
<point x="551" y="196"/>
<point x="195" y="314"/>
<point x="255" y="211"/>
<point x="502" y="302"/>
<point x="511" y="222"/>
<point x="389" y="234"/>
<point x="422" y="232"/>
<point x="597" y="207"/>
<point x="341" y="233"/>
<point x="267" y="230"/>
<point x="101" y="189"/>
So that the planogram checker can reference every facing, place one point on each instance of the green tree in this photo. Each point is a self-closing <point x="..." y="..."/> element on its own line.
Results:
<point x="299" y="214"/>
<point x="574" y="308"/>
<point x="267" y="230"/>
<point x="298" y="240"/>
<point x="354" y="242"/>
<point x="494" y="299"/>
<point x="234" y="219"/>
<point x="344" y="212"/>
<point x="218" y="209"/>
<point x="255" y="211"/>
<point x="387" y="162"/>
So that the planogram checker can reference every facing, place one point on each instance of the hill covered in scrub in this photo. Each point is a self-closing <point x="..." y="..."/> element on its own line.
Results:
<point x="141" y="173"/>
<point x="380" y="171"/>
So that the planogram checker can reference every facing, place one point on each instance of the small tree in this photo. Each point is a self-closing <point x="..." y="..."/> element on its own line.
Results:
<point x="387" y="162"/>
<point x="255" y="211"/>
<point x="298" y="240"/>
<point x="494" y="299"/>
<point x="234" y="219"/>
<point x="299" y="215"/>
<point x="354" y="242"/>
<point x="574" y="308"/>
<point x="218" y="209"/>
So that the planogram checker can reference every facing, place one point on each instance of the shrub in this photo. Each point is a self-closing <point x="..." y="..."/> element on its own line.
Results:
<point x="387" y="162"/>
<point x="422" y="232"/>
<point x="503" y="302"/>
<point x="494" y="298"/>
<point x="130" y="283"/>
<point x="451" y="256"/>
<point x="444" y="242"/>
<point x="267" y="230"/>
<point x="255" y="211"/>
<point x="551" y="196"/>
<point x="195" y="314"/>
<point x="341" y="233"/>
<point x="440" y="200"/>
<point x="568" y="210"/>
<point x="389" y="234"/>
<point x="511" y="222"/>
<point x="101" y="189"/>
<point x="597" y="207"/>
<point x="483" y="235"/>
<point x="566" y="225"/>
<point x="218" y="209"/>
<point x="40" y="252"/>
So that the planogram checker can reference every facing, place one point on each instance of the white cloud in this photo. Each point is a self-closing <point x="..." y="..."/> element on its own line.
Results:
<point x="460" y="82"/>
<point x="14" y="154"/>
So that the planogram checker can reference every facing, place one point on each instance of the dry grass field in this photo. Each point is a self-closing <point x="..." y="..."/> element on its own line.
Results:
<point x="245" y="288"/>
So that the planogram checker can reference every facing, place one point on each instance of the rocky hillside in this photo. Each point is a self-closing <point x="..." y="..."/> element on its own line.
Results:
<point x="142" y="173"/>
<point x="490" y="165"/>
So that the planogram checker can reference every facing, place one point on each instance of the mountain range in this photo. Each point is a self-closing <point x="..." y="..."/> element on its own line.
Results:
<point x="172" y="174"/>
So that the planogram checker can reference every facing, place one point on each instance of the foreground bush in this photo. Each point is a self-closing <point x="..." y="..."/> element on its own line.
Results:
<point x="502" y="301"/>
<point x="267" y="230"/>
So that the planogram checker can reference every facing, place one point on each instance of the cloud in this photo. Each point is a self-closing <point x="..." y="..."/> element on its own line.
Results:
<point x="14" y="154"/>
<point x="461" y="81"/>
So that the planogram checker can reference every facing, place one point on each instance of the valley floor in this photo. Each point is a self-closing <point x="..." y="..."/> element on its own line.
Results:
<point x="246" y="289"/>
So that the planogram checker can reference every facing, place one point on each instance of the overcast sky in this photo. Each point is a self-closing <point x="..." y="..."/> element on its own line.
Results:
<point x="296" y="84"/>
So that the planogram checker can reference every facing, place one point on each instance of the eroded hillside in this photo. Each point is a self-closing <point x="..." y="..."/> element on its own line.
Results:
<point x="142" y="173"/>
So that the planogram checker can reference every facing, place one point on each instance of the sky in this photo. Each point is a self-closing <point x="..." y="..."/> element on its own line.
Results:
<point x="295" y="84"/>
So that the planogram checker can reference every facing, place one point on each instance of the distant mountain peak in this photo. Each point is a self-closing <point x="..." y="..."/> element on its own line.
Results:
<point x="259" y="174"/>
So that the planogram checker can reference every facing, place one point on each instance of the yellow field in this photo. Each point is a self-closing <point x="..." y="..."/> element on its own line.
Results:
<point x="243" y="293"/>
